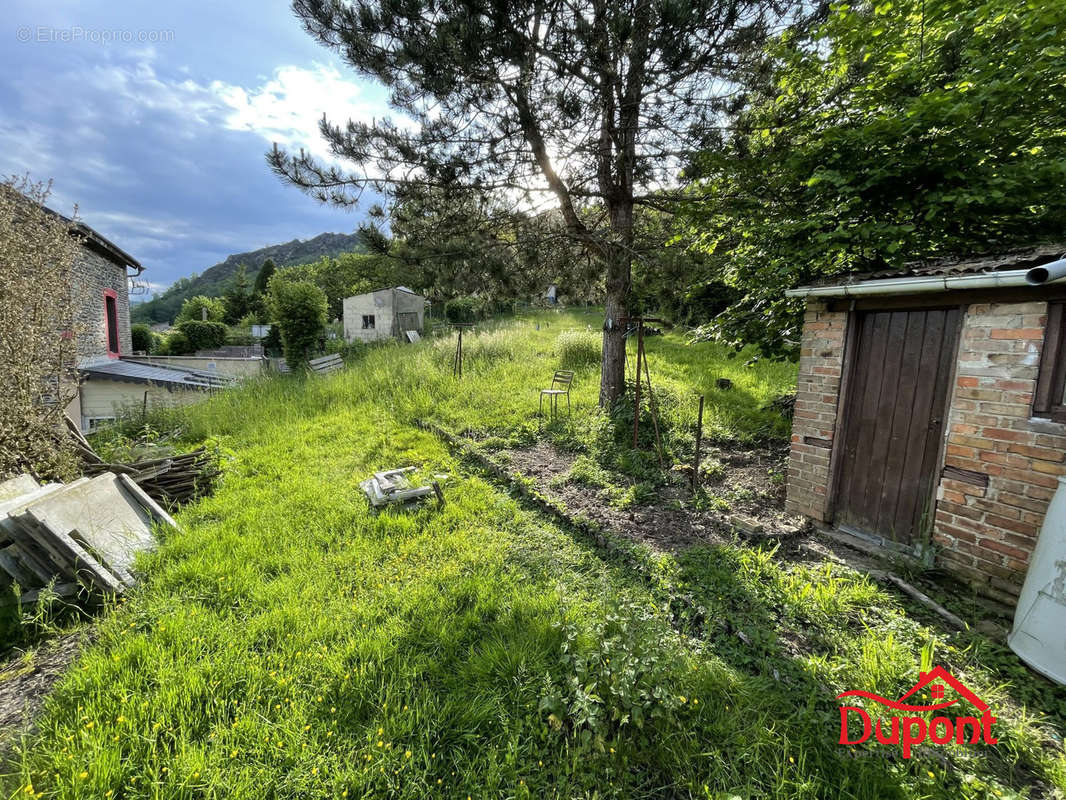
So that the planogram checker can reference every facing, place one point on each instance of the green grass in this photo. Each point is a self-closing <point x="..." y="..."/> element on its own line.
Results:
<point x="289" y="643"/>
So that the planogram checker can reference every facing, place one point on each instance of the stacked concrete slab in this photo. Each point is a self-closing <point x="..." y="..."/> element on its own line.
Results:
<point x="80" y="535"/>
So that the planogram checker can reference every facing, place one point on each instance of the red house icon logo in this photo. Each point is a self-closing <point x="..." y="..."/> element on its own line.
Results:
<point x="910" y="730"/>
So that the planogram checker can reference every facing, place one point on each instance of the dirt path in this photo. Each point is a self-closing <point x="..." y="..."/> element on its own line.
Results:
<point x="27" y="677"/>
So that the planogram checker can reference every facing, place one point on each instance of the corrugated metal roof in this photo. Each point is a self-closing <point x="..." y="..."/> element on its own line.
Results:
<point x="1023" y="258"/>
<point x="134" y="372"/>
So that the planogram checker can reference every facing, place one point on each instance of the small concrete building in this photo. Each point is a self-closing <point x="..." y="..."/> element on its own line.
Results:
<point x="930" y="412"/>
<point x="384" y="314"/>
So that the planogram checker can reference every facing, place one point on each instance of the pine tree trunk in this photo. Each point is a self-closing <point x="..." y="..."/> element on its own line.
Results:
<point x="613" y="369"/>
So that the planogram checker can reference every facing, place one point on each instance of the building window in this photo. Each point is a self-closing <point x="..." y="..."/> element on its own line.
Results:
<point x="111" y="322"/>
<point x="368" y="322"/>
<point x="1048" y="401"/>
<point x="95" y="423"/>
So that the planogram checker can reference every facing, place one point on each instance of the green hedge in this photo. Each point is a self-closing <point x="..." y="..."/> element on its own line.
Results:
<point x="202" y="335"/>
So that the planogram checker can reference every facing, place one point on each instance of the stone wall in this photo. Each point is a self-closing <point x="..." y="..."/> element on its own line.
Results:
<point x="91" y="276"/>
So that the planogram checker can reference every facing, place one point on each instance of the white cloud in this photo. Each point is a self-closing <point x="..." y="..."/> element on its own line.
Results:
<point x="287" y="108"/>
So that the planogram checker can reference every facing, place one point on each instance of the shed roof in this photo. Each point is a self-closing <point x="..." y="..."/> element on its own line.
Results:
<point x="171" y="377"/>
<point x="952" y="266"/>
<point x="389" y="289"/>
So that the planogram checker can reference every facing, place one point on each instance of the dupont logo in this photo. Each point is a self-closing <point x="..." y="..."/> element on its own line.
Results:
<point x="910" y="730"/>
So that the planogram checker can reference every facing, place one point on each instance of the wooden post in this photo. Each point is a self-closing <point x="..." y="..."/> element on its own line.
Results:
<point x="699" y="441"/>
<point x="636" y="394"/>
<point x="654" y="415"/>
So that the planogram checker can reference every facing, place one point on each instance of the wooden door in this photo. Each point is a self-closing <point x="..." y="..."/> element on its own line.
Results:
<point x="407" y="321"/>
<point x="894" y="417"/>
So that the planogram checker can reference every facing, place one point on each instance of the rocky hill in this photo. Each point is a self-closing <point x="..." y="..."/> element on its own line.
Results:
<point x="213" y="281"/>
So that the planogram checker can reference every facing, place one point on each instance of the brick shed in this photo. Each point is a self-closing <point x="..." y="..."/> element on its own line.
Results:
<point x="930" y="413"/>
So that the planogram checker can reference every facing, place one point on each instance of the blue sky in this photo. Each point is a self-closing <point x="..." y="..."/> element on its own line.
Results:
<point x="159" y="134"/>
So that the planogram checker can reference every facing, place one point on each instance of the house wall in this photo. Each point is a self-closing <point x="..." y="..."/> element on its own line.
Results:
<point x="984" y="534"/>
<point x="377" y="303"/>
<point x="91" y="276"/>
<point x="104" y="398"/>
<point x="384" y="305"/>
<point x="814" y="419"/>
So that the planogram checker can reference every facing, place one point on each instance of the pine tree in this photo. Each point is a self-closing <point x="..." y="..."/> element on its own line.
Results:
<point x="590" y="106"/>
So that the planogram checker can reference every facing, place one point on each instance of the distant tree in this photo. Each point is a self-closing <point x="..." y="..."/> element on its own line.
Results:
<point x="238" y="297"/>
<point x="259" y="303"/>
<point x="298" y="308"/>
<point x="38" y="375"/>
<point x="262" y="278"/>
<point x="192" y="310"/>
<point x="344" y="276"/>
<point x="891" y="132"/>
<point x="587" y="105"/>
<point x="141" y="337"/>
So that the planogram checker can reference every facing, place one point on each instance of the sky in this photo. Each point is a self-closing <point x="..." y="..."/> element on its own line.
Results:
<point x="155" y="118"/>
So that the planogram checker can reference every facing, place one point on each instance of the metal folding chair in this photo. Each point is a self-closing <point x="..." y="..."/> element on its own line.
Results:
<point x="563" y="378"/>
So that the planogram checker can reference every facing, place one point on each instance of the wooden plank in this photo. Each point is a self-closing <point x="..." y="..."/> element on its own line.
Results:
<point x="861" y="513"/>
<point x="911" y="478"/>
<point x="1050" y="375"/>
<point x="902" y="418"/>
<point x="922" y="520"/>
<point x="847" y="379"/>
<point x="853" y="405"/>
<point x="888" y="401"/>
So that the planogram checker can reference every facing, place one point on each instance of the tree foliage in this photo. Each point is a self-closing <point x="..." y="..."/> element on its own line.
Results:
<point x="192" y="310"/>
<point x="238" y="297"/>
<point x="585" y="107"/>
<point x="199" y="335"/>
<point x="344" y="276"/>
<point x="38" y="376"/>
<point x="894" y="131"/>
<point x="299" y="310"/>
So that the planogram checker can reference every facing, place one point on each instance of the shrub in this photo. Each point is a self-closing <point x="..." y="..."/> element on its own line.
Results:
<point x="579" y="349"/>
<point x="37" y="375"/>
<point x="192" y="310"/>
<point x="621" y="673"/>
<point x="464" y="309"/>
<point x="141" y="337"/>
<point x="300" y="310"/>
<point x="204" y="335"/>
<point x="176" y="343"/>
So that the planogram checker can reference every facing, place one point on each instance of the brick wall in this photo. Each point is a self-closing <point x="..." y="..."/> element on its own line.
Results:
<point x="986" y="533"/>
<point x="821" y="360"/>
<point x="91" y="275"/>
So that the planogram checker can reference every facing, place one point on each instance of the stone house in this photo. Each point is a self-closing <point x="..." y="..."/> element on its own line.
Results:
<point x="110" y="382"/>
<point x="930" y="413"/>
<point x="384" y="314"/>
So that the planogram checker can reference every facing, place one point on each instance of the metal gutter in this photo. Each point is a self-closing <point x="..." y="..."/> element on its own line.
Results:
<point x="1036" y="276"/>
